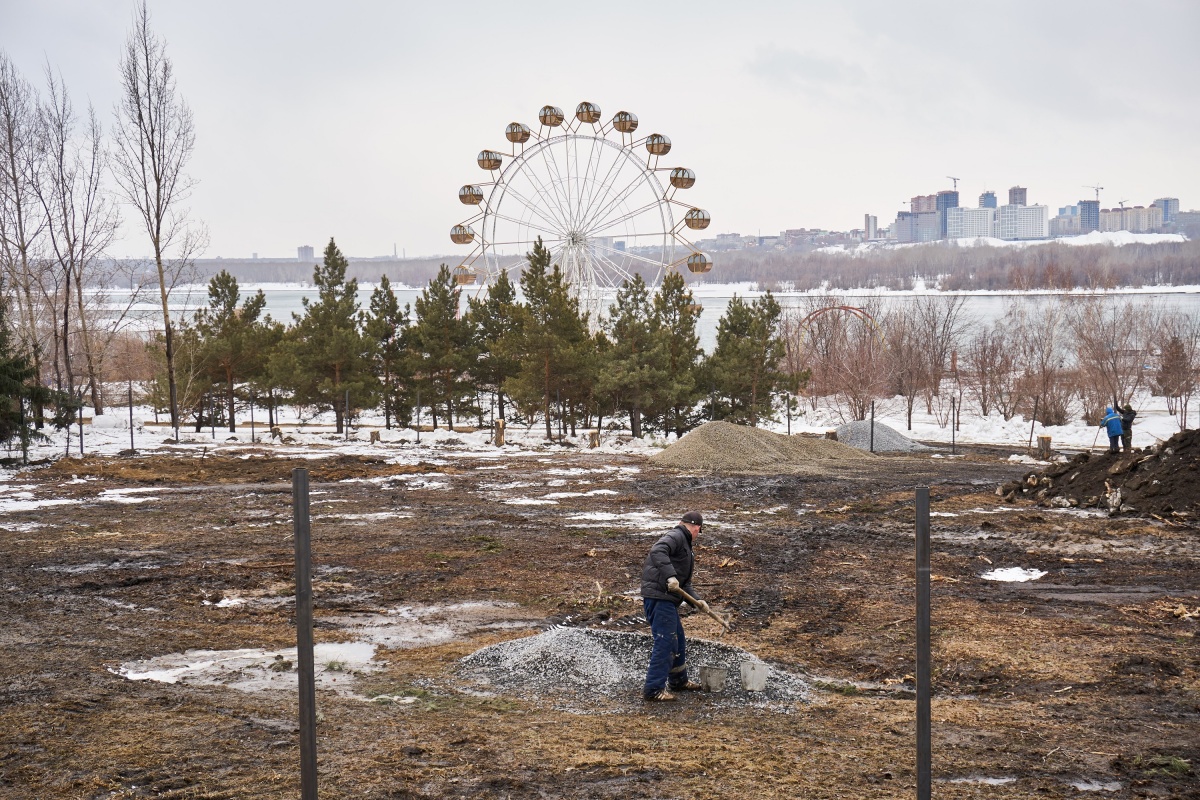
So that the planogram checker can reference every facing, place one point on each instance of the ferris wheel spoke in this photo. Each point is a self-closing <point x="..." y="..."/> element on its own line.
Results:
<point x="617" y="200"/>
<point x="627" y="254"/>
<point x="591" y="173"/>
<point x="609" y="224"/>
<point x="615" y="269"/>
<point x="551" y="196"/>
<point x="524" y="223"/>
<point x="559" y="183"/>
<point x="536" y="209"/>
<point x="598" y="196"/>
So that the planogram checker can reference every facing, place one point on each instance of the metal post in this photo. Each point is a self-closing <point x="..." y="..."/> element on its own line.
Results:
<point x="953" y="417"/>
<point x="1033" y="421"/>
<point x="346" y="415"/>
<point x="304" y="635"/>
<point x="252" y="439"/>
<point x="212" y="417"/>
<point x="788" y="399"/>
<point x="418" y="416"/>
<point x="81" y="425"/>
<point x="872" y="426"/>
<point x="924" y="772"/>
<point x="132" y="450"/>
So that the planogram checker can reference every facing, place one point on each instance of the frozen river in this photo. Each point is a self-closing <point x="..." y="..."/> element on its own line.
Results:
<point x="284" y="300"/>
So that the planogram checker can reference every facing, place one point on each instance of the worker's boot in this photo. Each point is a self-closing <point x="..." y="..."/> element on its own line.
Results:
<point x="688" y="686"/>
<point x="661" y="696"/>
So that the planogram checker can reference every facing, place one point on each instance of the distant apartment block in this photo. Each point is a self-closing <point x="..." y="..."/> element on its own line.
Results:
<point x="1170" y="208"/>
<point x="924" y="226"/>
<point x="304" y="253"/>
<point x="970" y="223"/>
<point x="987" y="199"/>
<point x="922" y="203"/>
<point x="1135" y="219"/>
<point x="1015" y="222"/>
<point x="870" y="227"/>
<point x="1017" y="196"/>
<point x="1089" y="216"/>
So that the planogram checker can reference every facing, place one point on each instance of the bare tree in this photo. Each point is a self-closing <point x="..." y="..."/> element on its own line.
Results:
<point x="940" y="325"/>
<point x="990" y="372"/>
<point x="22" y="222"/>
<point x="1178" y="375"/>
<point x="1037" y="333"/>
<point x="907" y="359"/>
<point x="1112" y="344"/>
<point x="81" y="219"/>
<point x="155" y="138"/>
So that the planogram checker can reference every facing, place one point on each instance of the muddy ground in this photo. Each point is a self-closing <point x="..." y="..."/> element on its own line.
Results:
<point x="1083" y="683"/>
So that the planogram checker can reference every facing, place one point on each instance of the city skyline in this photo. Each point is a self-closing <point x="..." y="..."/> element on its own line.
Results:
<point x="362" y="123"/>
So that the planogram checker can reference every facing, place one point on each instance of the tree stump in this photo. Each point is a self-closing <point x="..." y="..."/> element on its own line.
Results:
<point x="1043" y="448"/>
<point x="593" y="438"/>
<point x="831" y="435"/>
<point x="499" y="435"/>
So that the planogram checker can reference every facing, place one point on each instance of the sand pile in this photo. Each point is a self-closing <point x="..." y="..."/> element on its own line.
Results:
<point x="728" y="448"/>
<point x="1162" y="481"/>
<point x="887" y="440"/>
<point x="592" y="664"/>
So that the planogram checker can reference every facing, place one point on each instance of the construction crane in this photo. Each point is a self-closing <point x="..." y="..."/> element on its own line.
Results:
<point x="1097" y="188"/>
<point x="1122" y="203"/>
<point x="951" y="177"/>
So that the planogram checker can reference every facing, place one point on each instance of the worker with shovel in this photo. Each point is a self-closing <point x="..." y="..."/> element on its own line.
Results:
<point x="666" y="583"/>
<point x="1113" y="427"/>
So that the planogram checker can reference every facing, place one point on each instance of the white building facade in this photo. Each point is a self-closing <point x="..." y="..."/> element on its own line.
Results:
<point x="1022" y="222"/>
<point x="970" y="223"/>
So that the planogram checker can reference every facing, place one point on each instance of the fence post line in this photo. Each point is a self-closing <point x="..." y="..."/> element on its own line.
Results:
<point x="924" y="771"/>
<point x="302" y="534"/>
<point x="872" y="426"/>
<point x="132" y="451"/>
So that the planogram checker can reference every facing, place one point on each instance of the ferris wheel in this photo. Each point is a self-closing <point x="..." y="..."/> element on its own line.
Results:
<point x="596" y="195"/>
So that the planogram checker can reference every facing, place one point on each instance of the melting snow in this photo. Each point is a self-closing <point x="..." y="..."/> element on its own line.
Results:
<point x="1013" y="574"/>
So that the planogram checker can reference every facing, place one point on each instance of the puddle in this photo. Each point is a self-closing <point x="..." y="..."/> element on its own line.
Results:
<point x="982" y="780"/>
<point x="76" y="569"/>
<point x="1013" y="574"/>
<point x="254" y="670"/>
<point x="1097" y="786"/>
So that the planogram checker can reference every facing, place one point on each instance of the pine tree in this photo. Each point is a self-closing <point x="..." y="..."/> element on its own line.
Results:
<point x="635" y="366"/>
<point x="675" y="316"/>
<point x="328" y="355"/>
<point x="387" y="328"/>
<point x="230" y="337"/>
<point x="442" y="347"/>
<point x="745" y="366"/>
<point x="493" y="320"/>
<point x="552" y="341"/>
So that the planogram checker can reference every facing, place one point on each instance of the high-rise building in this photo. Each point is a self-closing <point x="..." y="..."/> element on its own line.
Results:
<point x="1089" y="215"/>
<point x="870" y="227"/>
<point x="1015" y="222"/>
<point x="970" y="223"/>
<point x="921" y="227"/>
<point x="304" y="253"/>
<point x="947" y="198"/>
<point x="1135" y="219"/>
<point x="922" y="203"/>
<point x="1017" y="196"/>
<point x="1169" y="206"/>
<point x="987" y="199"/>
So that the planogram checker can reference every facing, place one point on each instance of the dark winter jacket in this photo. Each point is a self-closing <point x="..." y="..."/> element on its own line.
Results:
<point x="1111" y="422"/>
<point x="1127" y="419"/>
<point x="670" y="557"/>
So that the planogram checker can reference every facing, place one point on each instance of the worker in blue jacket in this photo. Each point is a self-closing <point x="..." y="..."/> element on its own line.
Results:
<point x="1112" y="425"/>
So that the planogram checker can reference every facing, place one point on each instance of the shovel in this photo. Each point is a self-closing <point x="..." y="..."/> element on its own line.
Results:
<point x="695" y="603"/>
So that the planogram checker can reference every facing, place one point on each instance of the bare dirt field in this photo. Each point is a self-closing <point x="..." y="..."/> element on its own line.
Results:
<point x="1082" y="683"/>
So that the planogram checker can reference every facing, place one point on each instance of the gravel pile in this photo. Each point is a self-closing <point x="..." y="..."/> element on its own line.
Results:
<point x="728" y="448"/>
<point x="593" y="665"/>
<point x="887" y="440"/>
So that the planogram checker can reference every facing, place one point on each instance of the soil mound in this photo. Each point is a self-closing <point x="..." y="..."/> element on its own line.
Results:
<point x="1160" y="481"/>
<point x="728" y="448"/>
<point x="887" y="440"/>
<point x="594" y="665"/>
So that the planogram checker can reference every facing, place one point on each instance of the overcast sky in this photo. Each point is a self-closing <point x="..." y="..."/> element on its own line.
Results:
<point x="360" y="120"/>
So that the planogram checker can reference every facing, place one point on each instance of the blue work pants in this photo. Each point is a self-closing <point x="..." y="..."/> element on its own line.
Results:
<point x="667" y="665"/>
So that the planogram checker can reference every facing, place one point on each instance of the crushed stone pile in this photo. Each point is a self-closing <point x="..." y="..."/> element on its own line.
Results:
<point x="727" y="448"/>
<point x="887" y="440"/>
<point x="1160" y="481"/>
<point x="597" y="665"/>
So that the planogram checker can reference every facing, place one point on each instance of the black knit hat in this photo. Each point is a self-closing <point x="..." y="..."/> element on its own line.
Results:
<point x="693" y="518"/>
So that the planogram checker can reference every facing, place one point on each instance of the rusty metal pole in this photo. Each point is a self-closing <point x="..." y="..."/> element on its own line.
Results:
<point x="924" y="771"/>
<point x="304" y="635"/>
<point x="132" y="450"/>
<point x="872" y="426"/>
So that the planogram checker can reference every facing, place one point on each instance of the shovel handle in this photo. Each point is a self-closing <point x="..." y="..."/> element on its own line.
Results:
<point x="680" y="591"/>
